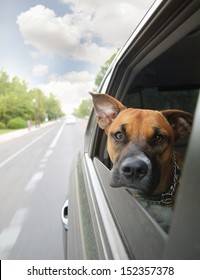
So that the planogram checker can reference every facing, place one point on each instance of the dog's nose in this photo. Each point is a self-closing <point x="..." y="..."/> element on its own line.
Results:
<point x="135" y="168"/>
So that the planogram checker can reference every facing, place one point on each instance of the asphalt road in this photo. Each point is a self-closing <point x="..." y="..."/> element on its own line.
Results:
<point x="34" y="170"/>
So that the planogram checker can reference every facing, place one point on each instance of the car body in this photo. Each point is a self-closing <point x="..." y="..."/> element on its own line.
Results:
<point x="157" y="68"/>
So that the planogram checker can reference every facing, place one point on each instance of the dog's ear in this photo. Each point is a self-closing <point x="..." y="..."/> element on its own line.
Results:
<point x="180" y="121"/>
<point x="107" y="108"/>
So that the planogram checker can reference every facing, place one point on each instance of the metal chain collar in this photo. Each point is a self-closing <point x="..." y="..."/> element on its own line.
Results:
<point x="166" y="198"/>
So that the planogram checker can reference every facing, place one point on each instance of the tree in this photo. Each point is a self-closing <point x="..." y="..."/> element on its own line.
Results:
<point x="13" y="98"/>
<point x="103" y="70"/>
<point x="84" y="108"/>
<point x="53" y="108"/>
<point x="4" y="82"/>
<point x="17" y="102"/>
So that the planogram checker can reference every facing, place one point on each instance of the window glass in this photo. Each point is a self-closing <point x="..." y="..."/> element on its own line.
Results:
<point x="162" y="98"/>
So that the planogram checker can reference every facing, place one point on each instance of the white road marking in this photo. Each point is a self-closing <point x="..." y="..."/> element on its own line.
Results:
<point x="55" y="140"/>
<point x="48" y="153"/>
<point x="9" y="235"/>
<point x="42" y="165"/>
<point x="43" y="161"/>
<point x="34" y="180"/>
<point x="23" y="149"/>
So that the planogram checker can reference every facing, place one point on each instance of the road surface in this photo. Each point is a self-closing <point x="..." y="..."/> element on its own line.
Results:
<point x="34" y="170"/>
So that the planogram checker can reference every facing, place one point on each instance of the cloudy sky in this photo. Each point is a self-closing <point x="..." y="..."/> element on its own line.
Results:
<point x="60" y="45"/>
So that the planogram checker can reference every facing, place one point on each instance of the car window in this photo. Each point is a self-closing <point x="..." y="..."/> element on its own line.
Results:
<point x="163" y="98"/>
<point x="170" y="81"/>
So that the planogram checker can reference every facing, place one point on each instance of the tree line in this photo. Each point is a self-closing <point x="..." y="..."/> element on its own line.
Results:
<point x="19" y="105"/>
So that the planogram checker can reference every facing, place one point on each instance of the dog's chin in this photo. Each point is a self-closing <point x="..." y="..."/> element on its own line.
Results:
<point x="138" y="187"/>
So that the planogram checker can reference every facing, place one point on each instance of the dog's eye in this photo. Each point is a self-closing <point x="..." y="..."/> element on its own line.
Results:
<point x="118" y="135"/>
<point x="159" y="138"/>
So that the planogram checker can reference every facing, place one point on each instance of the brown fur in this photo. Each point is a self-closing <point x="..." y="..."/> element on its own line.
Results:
<point x="140" y="128"/>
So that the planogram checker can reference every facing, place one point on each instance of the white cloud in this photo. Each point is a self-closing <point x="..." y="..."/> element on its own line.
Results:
<point x="48" y="33"/>
<point x="51" y="35"/>
<point x="40" y="70"/>
<point x="112" y="21"/>
<point x="70" y="88"/>
<point x="76" y="34"/>
<point x="93" y="53"/>
<point x="91" y="32"/>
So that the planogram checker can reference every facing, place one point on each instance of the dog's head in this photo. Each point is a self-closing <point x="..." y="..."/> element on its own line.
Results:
<point x="140" y="143"/>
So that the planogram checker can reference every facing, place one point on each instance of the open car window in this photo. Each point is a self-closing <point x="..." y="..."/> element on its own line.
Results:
<point x="169" y="80"/>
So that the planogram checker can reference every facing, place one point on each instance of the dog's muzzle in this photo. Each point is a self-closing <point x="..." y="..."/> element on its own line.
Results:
<point x="135" y="169"/>
<point x="132" y="172"/>
<point x="136" y="172"/>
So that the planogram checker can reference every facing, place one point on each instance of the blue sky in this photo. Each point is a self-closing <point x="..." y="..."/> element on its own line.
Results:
<point x="60" y="45"/>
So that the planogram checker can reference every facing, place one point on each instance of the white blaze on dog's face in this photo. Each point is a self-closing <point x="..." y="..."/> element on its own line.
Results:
<point x="140" y="143"/>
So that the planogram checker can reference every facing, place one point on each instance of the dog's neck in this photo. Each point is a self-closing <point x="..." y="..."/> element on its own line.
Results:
<point x="166" y="198"/>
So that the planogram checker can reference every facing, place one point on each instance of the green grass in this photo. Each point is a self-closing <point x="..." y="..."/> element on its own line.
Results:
<point x="6" y="130"/>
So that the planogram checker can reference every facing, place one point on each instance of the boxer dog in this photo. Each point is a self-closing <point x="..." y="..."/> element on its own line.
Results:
<point x="140" y="144"/>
